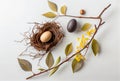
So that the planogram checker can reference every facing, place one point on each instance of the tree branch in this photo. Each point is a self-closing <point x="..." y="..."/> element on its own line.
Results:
<point x="97" y="17"/>
<point x="67" y="59"/>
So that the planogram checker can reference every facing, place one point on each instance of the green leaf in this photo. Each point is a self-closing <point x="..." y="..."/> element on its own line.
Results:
<point x="95" y="47"/>
<point x="25" y="65"/>
<point x="56" y="68"/>
<point x="76" y="66"/>
<point x="49" y="60"/>
<point x="86" y="26"/>
<point x="53" y="71"/>
<point x="68" y="49"/>
<point x="41" y="69"/>
<point x="58" y="60"/>
<point x="63" y="9"/>
<point x="49" y="15"/>
<point x="52" y="6"/>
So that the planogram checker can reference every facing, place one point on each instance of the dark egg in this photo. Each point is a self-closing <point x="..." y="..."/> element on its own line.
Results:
<point x="72" y="25"/>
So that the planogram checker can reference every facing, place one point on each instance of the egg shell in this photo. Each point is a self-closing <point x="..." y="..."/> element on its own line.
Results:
<point x="46" y="36"/>
<point x="72" y="25"/>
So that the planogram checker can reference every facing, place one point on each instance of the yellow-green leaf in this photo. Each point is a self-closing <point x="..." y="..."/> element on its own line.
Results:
<point x="76" y="66"/>
<point x="56" y="68"/>
<point x="53" y="71"/>
<point x="49" y="60"/>
<point x="68" y="49"/>
<point x="25" y="65"/>
<point x="52" y="6"/>
<point x="95" y="47"/>
<point x="41" y="69"/>
<point x="86" y="26"/>
<point x="63" y="9"/>
<point x="58" y="60"/>
<point x="49" y="15"/>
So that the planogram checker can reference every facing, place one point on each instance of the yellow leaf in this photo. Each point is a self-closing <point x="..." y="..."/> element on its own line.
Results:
<point x="77" y="49"/>
<point x="79" y="57"/>
<point x="52" y="6"/>
<point x="50" y="15"/>
<point x="90" y="32"/>
<point x="78" y="39"/>
<point x="63" y="9"/>
<point x="86" y="26"/>
<point x="83" y="41"/>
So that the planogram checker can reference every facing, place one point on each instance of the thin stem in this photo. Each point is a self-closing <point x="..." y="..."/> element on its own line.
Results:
<point x="42" y="55"/>
<point x="86" y="50"/>
<point x="24" y="51"/>
<point x="86" y="46"/>
<point x="97" y="17"/>
<point x="104" y="10"/>
<point x="78" y="17"/>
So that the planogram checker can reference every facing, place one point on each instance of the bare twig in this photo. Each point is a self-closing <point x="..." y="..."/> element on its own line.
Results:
<point x="97" y="17"/>
<point x="42" y="55"/>
<point x="24" y="51"/>
<point x="86" y="50"/>
<point x="67" y="59"/>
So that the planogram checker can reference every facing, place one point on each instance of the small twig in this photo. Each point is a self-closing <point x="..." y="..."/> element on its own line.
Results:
<point x="78" y="17"/>
<point x="86" y="46"/>
<point x="97" y="17"/>
<point x="24" y="51"/>
<point x="95" y="27"/>
<point x="30" y="55"/>
<point x="33" y="23"/>
<point x="42" y="55"/>
<point x="20" y="41"/>
<point x="104" y="10"/>
<point x="86" y="50"/>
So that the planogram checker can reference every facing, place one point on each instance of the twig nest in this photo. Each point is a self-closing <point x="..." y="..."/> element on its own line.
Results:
<point x="44" y="37"/>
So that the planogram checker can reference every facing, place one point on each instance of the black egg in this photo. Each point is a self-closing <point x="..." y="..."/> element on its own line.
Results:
<point x="72" y="25"/>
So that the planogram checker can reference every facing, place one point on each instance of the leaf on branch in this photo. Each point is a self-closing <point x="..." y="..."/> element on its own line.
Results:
<point x="76" y="66"/>
<point x="49" y="15"/>
<point x="52" y="6"/>
<point x="86" y="26"/>
<point x="49" y="60"/>
<point x="58" y="60"/>
<point x="68" y="49"/>
<point x="56" y="68"/>
<point x="53" y="71"/>
<point x="25" y="65"/>
<point x="79" y="57"/>
<point x="41" y="69"/>
<point x="95" y="47"/>
<point x="63" y="9"/>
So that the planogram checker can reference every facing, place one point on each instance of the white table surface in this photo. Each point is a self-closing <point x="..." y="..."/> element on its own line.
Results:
<point x="14" y="15"/>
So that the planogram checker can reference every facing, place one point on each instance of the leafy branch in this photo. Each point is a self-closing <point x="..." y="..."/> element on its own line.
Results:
<point x="101" y="22"/>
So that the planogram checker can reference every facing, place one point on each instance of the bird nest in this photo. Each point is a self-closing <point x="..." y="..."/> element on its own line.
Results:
<point x="57" y="35"/>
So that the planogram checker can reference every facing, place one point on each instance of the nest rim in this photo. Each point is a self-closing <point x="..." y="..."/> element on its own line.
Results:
<point x="57" y="36"/>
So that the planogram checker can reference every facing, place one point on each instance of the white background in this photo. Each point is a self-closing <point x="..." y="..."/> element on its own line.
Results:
<point x="14" y="15"/>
